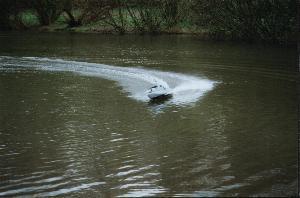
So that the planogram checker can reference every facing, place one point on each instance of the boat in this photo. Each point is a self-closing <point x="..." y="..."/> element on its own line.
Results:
<point x="158" y="92"/>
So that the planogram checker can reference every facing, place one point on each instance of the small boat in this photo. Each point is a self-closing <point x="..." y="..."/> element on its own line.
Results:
<point x="158" y="92"/>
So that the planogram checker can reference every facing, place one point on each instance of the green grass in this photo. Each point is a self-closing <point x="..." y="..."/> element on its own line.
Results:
<point x="29" y="19"/>
<point x="61" y="20"/>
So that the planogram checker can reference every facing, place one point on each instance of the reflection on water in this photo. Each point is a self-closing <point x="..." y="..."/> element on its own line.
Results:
<point x="69" y="128"/>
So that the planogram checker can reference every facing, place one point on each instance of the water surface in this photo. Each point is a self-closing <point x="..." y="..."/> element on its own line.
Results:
<point x="75" y="121"/>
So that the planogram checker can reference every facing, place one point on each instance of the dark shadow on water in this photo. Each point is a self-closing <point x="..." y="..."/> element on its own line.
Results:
<point x="158" y="104"/>
<point x="160" y="100"/>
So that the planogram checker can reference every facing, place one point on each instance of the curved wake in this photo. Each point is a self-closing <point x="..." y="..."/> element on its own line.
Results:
<point x="186" y="89"/>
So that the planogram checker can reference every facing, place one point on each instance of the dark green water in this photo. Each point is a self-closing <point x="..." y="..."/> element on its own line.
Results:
<point x="74" y="119"/>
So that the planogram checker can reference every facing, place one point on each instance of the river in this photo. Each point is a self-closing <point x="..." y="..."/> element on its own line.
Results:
<point x="75" y="119"/>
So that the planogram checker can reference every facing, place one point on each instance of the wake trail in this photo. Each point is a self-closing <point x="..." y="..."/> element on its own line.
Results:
<point x="186" y="89"/>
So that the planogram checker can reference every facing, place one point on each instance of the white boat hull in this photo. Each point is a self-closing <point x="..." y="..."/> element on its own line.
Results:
<point x="156" y="95"/>
<point x="158" y="92"/>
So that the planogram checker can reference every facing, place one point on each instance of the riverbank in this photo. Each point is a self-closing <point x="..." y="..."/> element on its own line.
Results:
<point x="61" y="25"/>
<point x="28" y="21"/>
<point x="201" y="34"/>
<point x="265" y="21"/>
<point x="105" y="29"/>
<point x="101" y="27"/>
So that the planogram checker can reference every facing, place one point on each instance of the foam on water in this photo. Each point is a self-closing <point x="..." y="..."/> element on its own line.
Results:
<point x="186" y="89"/>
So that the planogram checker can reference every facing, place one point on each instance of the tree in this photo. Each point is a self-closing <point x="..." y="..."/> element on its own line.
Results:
<point x="47" y="10"/>
<point x="5" y="9"/>
<point x="271" y="20"/>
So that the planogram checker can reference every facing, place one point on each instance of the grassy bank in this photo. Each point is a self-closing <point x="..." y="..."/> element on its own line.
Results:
<point x="31" y="23"/>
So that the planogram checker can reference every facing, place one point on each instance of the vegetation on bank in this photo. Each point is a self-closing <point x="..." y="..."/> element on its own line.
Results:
<point x="265" y="20"/>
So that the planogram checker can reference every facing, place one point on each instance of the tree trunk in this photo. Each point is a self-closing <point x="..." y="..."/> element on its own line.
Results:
<point x="72" y="21"/>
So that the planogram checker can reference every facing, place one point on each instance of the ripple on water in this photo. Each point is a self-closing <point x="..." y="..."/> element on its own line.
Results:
<point x="96" y="153"/>
<point x="40" y="184"/>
